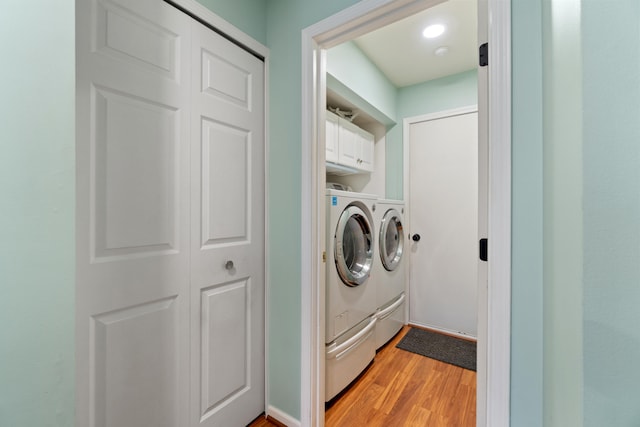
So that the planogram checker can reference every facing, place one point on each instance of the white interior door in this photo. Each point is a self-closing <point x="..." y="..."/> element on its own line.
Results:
<point x="227" y="240"/>
<point x="132" y="214"/>
<point x="170" y="169"/>
<point x="444" y="213"/>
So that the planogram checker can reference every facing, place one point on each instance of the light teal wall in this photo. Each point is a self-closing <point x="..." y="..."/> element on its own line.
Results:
<point x="611" y="168"/>
<point x="562" y="214"/>
<point x="527" y="215"/>
<point x="446" y="93"/>
<point x="246" y="15"/>
<point x="285" y="21"/>
<point x="577" y="146"/>
<point x="37" y="178"/>
<point x="347" y="64"/>
<point x="458" y="90"/>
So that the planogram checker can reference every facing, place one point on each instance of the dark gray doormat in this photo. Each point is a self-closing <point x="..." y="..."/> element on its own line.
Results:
<point x="444" y="348"/>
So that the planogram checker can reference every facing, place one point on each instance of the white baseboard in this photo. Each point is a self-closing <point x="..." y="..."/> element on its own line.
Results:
<point x="444" y="331"/>
<point x="282" y="417"/>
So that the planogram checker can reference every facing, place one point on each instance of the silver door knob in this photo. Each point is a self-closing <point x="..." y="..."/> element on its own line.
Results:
<point x="228" y="265"/>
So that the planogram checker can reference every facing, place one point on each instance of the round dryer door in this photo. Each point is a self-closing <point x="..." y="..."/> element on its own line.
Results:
<point x="391" y="240"/>
<point x="353" y="246"/>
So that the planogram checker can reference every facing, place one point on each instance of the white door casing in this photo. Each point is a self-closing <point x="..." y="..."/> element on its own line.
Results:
<point x="494" y="373"/>
<point x="443" y="211"/>
<point x="135" y="306"/>
<point x="483" y="232"/>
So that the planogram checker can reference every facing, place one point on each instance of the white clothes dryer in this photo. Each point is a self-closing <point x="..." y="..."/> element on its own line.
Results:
<point x="350" y="291"/>
<point x="389" y="269"/>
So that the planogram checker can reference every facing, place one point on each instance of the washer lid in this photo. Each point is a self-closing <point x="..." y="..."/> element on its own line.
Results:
<point x="353" y="246"/>
<point x="391" y="239"/>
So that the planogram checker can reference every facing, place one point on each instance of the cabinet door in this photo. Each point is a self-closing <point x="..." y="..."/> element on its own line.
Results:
<point x="331" y="138"/>
<point x="348" y="149"/>
<point x="366" y="151"/>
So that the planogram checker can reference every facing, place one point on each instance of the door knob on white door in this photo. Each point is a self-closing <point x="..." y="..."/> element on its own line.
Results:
<point x="228" y="265"/>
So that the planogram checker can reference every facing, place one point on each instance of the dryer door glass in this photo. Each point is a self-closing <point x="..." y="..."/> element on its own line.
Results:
<point x="391" y="240"/>
<point x="353" y="248"/>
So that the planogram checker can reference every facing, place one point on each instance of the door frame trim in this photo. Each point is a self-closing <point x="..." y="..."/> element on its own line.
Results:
<point x="345" y="25"/>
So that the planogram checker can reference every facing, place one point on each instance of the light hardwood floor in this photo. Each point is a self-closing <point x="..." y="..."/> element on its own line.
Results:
<point x="404" y="389"/>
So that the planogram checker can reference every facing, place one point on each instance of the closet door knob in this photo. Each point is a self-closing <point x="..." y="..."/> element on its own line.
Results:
<point x="228" y="265"/>
<point x="415" y="237"/>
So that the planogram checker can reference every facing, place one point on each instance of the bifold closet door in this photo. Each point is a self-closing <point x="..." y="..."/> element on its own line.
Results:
<point x="142" y="309"/>
<point x="227" y="240"/>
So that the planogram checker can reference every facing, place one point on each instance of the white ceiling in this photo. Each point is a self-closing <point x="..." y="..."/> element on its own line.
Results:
<point x="401" y="52"/>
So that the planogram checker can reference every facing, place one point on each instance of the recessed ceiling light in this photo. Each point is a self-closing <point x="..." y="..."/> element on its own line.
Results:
<point x="441" y="51"/>
<point x="433" y="31"/>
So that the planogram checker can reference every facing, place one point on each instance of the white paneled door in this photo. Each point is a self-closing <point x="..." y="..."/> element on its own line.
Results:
<point x="227" y="232"/>
<point x="170" y="220"/>
<point x="444" y="214"/>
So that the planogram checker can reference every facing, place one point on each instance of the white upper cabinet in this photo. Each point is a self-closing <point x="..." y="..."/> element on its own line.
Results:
<point x="331" y="143"/>
<point x="348" y="145"/>
<point x="366" y="150"/>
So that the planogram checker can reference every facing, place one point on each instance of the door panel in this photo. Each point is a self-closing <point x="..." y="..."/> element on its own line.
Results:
<point x="225" y="369"/>
<point x="132" y="217"/>
<point x="126" y="34"/>
<point x="227" y="199"/>
<point x="444" y="212"/>
<point x="135" y="150"/>
<point x="225" y="181"/>
<point x="149" y="367"/>
<point x="222" y="78"/>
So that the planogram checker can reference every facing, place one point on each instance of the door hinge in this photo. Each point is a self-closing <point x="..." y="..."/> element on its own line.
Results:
<point x="484" y="249"/>
<point x="484" y="54"/>
<point x="324" y="256"/>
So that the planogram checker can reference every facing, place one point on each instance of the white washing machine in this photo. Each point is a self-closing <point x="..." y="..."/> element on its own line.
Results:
<point x="389" y="269"/>
<point x="350" y="291"/>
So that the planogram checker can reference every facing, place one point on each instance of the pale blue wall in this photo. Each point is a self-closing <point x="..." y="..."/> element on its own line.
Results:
<point x="246" y="15"/>
<point x="285" y="21"/>
<point x="445" y="93"/>
<point x="562" y="214"/>
<point x="604" y="188"/>
<point x="37" y="181"/>
<point x="611" y="167"/>
<point x="527" y="216"/>
<point x="353" y="69"/>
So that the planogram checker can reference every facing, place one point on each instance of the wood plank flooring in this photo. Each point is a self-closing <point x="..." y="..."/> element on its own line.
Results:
<point x="404" y="389"/>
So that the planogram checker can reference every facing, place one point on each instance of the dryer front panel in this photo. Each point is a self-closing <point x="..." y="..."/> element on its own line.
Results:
<point x="391" y="240"/>
<point x="353" y="246"/>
